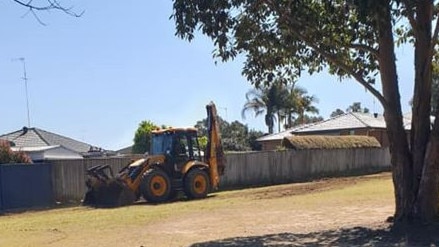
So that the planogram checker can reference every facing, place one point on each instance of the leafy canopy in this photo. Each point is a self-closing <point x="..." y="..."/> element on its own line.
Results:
<point x="349" y="38"/>
<point x="267" y="100"/>
<point x="281" y="39"/>
<point x="235" y="136"/>
<point x="142" y="137"/>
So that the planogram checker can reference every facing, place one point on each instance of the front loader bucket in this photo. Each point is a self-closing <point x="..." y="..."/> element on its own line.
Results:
<point x="104" y="190"/>
<point x="107" y="193"/>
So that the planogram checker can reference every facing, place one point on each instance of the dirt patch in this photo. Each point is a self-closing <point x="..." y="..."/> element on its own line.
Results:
<point x="275" y="216"/>
<point x="315" y="186"/>
<point x="272" y="217"/>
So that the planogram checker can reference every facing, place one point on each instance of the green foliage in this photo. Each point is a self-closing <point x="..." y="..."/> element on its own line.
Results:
<point x="251" y="140"/>
<point x="201" y="126"/>
<point x="202" y="141"/>
<point x="235" y="136"/>
<point x="265" y="99"/>
<point x="142" y="137"/>
<point x="349" y="38"/>
<point x="281" y="39"/>
<point x="281" y="103"/>
<point x="8" y="156"/>
<point x="356" y="107"/>
<point x="306" y="120"/>
<point x="296" y="104"/>
<point x="337" y="112"/>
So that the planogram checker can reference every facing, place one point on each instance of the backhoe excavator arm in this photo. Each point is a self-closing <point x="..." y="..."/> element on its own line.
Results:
<point x="214" y="151"/>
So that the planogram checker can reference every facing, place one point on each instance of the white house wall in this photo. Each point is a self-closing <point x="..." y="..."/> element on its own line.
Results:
<point x="60" y="153"/>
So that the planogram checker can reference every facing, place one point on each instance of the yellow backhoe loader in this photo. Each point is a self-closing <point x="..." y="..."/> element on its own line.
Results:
<point x="175" y="163"/>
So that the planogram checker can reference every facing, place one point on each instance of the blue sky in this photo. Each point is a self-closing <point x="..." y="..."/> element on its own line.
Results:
<point x="95" y="78"/>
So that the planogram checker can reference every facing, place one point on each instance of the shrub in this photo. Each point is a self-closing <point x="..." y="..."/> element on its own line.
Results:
<point x="9" y="156"/>
<point x="329" y="142"/>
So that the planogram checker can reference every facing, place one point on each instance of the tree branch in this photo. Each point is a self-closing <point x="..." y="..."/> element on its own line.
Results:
<point x="343" y="66"/>
<point x="410" y="16"/>
<point x="332" y="59"/>
<point x="51" y="4"/>
<point x="366" y="48"/>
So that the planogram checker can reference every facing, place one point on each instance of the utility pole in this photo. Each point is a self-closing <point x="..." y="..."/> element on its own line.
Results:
<point x="25" y="88"/>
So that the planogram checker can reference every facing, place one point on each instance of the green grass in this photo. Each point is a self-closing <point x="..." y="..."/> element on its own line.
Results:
<point x="77" y="224"/>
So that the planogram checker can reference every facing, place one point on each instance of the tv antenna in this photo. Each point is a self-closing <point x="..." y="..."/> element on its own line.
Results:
<point x="225" y="110"/>
<point x="25" y="87"/>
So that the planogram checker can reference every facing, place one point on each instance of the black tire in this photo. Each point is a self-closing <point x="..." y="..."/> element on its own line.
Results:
<point x="173" y="195"/>
<point x="155" y="186"/>
<point x="196" y="184"/>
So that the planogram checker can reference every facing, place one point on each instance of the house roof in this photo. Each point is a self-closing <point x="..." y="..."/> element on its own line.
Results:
<point x="346" y="121"/>
<point x="126" y="150"/>
<point x="277" y="136"/>
<point x="349" y="120"/>
<point x="35" y="137"/>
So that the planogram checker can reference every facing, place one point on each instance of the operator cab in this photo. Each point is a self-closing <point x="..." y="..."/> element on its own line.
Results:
<point x="178" y="143"/>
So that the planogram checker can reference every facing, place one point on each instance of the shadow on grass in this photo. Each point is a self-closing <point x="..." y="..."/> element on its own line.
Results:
<point x="179" y="198"/>
<point x="356" y="236"/>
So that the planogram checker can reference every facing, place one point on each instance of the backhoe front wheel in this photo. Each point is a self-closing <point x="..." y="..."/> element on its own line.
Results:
<point x="155" y="186"/>
<point x="196" y="184"/>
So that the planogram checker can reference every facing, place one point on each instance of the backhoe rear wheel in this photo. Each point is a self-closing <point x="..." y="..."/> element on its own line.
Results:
<point x="155" y="186"/>
<point x="196" y="184"/>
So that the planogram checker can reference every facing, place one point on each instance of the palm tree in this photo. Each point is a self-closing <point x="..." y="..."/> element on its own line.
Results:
<point x="281" y="102"/>
<point x="299" y="103"/>
<point x="264" y="100"/>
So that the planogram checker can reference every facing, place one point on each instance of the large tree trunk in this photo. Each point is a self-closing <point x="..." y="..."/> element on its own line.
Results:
<point x="427" y="203"/>
<point x="269" y="122"/>
<point x="420" y="131"/>
<point x="425" y="147"/>
<point x="415" y="167"/>
<point x="400" y="154"/>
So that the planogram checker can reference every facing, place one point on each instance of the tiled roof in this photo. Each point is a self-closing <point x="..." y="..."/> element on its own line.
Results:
<point x="277" y="136"/>
<point x="34" y="137"/>
<point x="346" y="121"/>
<point x="349" y="120"/>
<point x="126" y="150"/>
<point x="282" y="134"/>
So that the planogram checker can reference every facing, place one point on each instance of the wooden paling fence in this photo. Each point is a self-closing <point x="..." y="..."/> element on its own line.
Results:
<point x="277" y="167"/>
<point x="68" y="176"/>
<point x="242" y="169"/>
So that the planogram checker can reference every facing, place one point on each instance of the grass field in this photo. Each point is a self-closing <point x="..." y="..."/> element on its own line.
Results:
<point x="295" y="209"/>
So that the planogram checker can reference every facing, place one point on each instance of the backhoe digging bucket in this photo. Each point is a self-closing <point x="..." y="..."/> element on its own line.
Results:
<point x="106" y="191"/>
